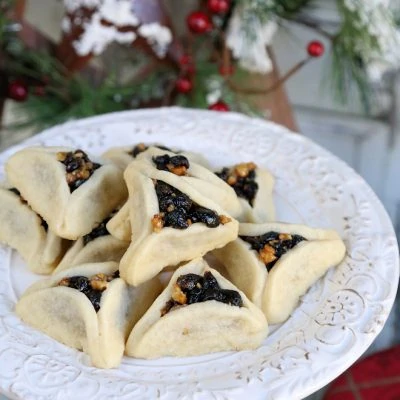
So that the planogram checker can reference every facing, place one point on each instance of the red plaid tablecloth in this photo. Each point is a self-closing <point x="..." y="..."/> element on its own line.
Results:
<point x="377" y="377"/>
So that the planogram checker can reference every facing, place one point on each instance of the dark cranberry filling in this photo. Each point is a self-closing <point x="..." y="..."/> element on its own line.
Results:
<point x="272" y="245"/>
<point x="99" y="231"/>
<point x="193" y="288"/>
<point x="78" y="166"/>
<point x="178" y="211"/>
<point x="245" y="186"/>
<point x="92" y="287"/>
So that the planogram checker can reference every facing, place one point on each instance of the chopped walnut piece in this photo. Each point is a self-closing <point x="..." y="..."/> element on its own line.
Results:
<point x="178" y="295"/>
<point x="267" y="254"/>
<point x="232" y="179"/>
<point x="185" y="331"/>
<point x="285" y="236"/>
<point x="64" y="282"/>
<point x="177" y="170"/>
<point x="223" y="219"/>
<point x="157" y="222"/>
<point x="103" y="277"/>
<point x="243" y="169"/>
<point x="98" y="285"/>
<point x="100" y="281"/>
<point x="78" y="167"/>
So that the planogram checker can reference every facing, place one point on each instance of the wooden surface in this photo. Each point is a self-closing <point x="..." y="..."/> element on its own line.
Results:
<point x="275" y="104"/>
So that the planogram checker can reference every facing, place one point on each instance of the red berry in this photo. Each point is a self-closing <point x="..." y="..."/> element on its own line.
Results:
<point x="187" y="64"/>
<point x="185" y="60"/>
<point x="225" y="70"/>
<point x="218" y="6"/>
<point x="219" y="106"/>
<point x="17" y="90"/>
<point x="183" y="85"/>
<point x="199" y="22"/>
<point x="315" y="48"/>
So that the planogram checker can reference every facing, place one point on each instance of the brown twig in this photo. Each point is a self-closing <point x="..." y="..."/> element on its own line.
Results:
<point x="274" y="86"/>
<point x="168" y="93"/>
<point x="226" y="55"/>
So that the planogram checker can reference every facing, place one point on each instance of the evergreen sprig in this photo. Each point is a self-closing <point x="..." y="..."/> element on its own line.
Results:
<point x="352" y="48"/>
<point x="77" y="98"/>
<point x="67" y="97"/>
<point x="279" y="9"/>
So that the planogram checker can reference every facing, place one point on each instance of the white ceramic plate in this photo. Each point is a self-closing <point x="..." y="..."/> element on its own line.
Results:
<point x="333" y="325"/>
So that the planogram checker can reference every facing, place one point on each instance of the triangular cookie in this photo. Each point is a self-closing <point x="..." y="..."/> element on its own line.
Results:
<point x="88" y="308"/>
<point x="123" y="156"/>
<point x="276" y="263"/>
<point x="96" y="246"/>
<point x="119" y="225"/>
<point x="70" y="191"/>
<point x="171" y="222"/>
<point x="198" y="312"/>
<point x="200" y="178"/>
<point x="254" y="187"/>
<point x="24" y="230"/>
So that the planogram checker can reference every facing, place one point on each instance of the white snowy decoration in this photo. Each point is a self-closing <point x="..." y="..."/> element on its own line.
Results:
<point x="158" y="36"/>
<point x="375" y="16"/>
<point x="73" y="5"/>
<point x="214" y="88"/>
<point x="66" y="25"/>
<point x="97" y="35"/>
<point x="119" y="12"/>
<point x="251" y="52"/>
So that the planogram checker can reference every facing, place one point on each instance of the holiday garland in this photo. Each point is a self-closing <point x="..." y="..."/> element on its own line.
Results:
<point x="227" y="41"/>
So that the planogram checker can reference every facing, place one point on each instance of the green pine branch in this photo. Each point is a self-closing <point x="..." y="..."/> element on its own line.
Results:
<point x="352" y="48"/>
<point x="77" y="98"/>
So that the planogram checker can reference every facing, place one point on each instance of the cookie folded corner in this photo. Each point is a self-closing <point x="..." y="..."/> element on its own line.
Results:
<point x="199" y="312"/>
<point x="276" y="263"/>
<point x="66" y="188"/>
<point x="163" y="239"/>
<point x="88" y="308"/>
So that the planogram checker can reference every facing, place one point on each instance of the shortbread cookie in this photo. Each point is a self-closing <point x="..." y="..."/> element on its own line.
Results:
<point x="88" y="308"/>
<point x="123" y="156"/>
<point x="25" y="231"/>
<point x="96" y="246"/>
<point x="254" y="188"/>
<point x="199" y="312"/>
<point x="70" y="191"/>
<point x="171" y="223"/>
<point x="276" y="263"/>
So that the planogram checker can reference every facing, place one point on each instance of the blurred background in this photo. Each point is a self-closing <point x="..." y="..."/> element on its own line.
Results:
<point x="324" y="68"/>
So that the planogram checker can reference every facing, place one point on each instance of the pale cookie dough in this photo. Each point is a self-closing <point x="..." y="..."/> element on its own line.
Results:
<point x="278" y="292"/>
<point x="26" y="232"/>
<point x="198" y="177"/>
<point x="124" y="155"/>
<point x="67" y="315"/>
<point x="96" y="246"/>
<point x="198" y="328"/>
<point x="154" y="246"/>
<point x="41" y="178"/>
<point x="254" y="187"/>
